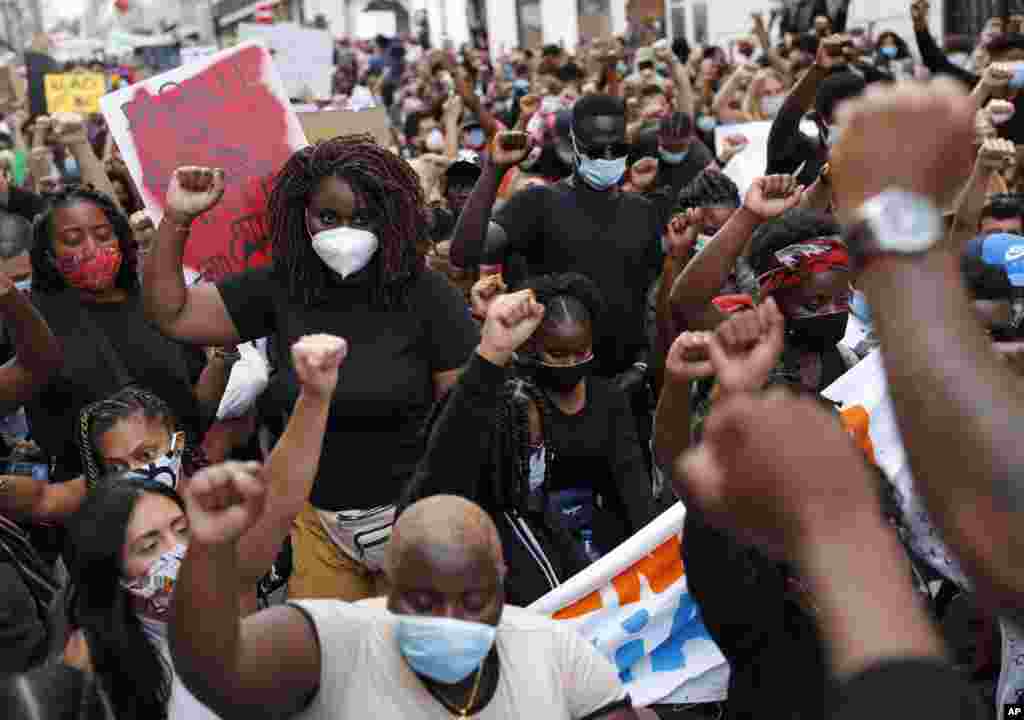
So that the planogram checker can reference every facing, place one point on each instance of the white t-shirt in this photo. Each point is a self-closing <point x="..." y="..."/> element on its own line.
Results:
<point x="547" y="670"/>
<point x="182" y="705"/>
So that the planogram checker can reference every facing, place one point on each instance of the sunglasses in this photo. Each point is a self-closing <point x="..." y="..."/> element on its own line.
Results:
<point x="606" y="151"/>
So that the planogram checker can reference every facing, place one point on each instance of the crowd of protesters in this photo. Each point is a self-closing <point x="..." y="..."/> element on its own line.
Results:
<point x="488" y="353"/>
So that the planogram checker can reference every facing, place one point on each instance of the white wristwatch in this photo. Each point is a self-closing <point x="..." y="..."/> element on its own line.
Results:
<point x="894" y="221"/>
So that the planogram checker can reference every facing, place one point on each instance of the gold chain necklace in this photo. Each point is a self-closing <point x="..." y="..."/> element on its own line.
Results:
<point x="464" y="712"/>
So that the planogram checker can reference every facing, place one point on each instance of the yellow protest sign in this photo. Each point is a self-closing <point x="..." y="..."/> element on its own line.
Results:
<point x="74" y="92"/>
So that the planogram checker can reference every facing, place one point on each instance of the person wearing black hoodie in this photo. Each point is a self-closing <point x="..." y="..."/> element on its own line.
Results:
<point x="550" y="452"/>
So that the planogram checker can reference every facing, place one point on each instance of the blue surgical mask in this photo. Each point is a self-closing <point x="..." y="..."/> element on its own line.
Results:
<point x="443" y="649"/>
<point x="622" y="68"/>
<point x="673" y="158"/>
<point x="599" y="173"/>
<point x="1017" y="81"/>
<point x="707" y="123"/>
<point x="521" y="84"/>
<point x="24" y="285"/>
<point x="860" y="308"/>
<point x="834" y="133"/>
<point x="889" y="51"/>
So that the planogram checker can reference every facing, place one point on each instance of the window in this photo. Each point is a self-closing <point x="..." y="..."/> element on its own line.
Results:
<point x="677" y="20"/>
<point x="594" y="17"/>
<point x="700" y="22"/>
<point x="531" y="31"/>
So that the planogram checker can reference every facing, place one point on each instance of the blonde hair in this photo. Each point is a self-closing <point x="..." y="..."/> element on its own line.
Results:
<point x="752" y="102"/>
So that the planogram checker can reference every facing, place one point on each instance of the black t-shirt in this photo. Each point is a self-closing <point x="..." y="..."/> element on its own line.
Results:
<point x="385" y="389"/>
<point x="106" y="347"/>
<point x="612" y="237"/>
<point x="598" y="449"/>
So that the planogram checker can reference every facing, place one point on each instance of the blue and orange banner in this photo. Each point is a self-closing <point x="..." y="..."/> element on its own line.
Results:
<point x="634" y="606"/>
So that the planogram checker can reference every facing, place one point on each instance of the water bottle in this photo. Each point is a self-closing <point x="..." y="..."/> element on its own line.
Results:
<point x="589" y="549"/>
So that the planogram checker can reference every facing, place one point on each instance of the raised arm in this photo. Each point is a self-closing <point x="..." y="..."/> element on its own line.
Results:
<point x="293" y="464"/>
<point x="37" y="353"/>
<point x="68" y="129"/>
<point x="195" y="314"/>
<point x="702" y="280"/>
<point x="681" y="78"/>
<point x="814" y="504"/>
<point x="265" y="665"/>
<point x="993" y="156"/>
<point x="739" y="80"/>
<point x="933" y="57"/>
<point x="946" y="381"/>
<point x="474" y="229"/>
<point x="760" y="31"/>
<point x="458" y="450"/>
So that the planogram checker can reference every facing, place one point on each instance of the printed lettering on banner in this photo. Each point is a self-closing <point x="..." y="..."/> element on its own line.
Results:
<point x="227" y="111"/>
<point x="634" y="606"/>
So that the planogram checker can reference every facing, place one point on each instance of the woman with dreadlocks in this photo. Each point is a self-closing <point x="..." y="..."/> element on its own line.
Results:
<point x="345" y="217"/>
<point x="85" y="284"/>
<point x="550" y="452"/>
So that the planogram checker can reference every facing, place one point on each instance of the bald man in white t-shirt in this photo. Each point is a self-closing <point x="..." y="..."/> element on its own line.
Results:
<point x="442" y="644"/>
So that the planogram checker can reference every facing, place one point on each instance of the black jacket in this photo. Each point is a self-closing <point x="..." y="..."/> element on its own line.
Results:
<point x="468" y="454"/>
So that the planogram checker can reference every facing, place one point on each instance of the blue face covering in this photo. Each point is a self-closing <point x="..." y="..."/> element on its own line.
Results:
<point x="707" y="123"/>
<point x="889" y="51"/>
<point x="443" y="649"/>
<point x="622" y="68"/>
<point x="599" y="173"/>
<point x="673" y="158"/>
<point x="1017" y="81"/>
<point x="521" y="84"/>
<point x="860" y="308"/>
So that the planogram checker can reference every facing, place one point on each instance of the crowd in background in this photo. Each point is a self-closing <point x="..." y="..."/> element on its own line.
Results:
<point x="488" y="353"/>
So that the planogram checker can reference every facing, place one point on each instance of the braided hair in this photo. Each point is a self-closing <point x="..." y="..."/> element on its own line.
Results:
<point x="387" y="185"/>
<point x="46" y="278"/>
<point x="99" y="417"/>
<point x="567" y="298"/>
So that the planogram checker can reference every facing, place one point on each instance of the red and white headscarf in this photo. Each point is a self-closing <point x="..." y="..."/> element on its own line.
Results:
<point x="791" y="265"/>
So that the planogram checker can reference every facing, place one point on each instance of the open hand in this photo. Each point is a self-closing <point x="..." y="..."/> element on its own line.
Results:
<point x="317" y="360"/>
<point x="193" y="191"/>
<point x="224" y="501"/>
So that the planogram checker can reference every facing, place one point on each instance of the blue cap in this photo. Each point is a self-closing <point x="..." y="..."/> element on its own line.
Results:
<point x="1002" y="249"/>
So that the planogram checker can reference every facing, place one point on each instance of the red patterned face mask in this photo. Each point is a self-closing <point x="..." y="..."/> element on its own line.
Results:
<point x="93" y="273"/>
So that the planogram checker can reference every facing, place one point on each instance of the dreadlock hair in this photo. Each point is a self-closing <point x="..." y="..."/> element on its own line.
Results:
<point x="567" y="298"/>
<point x="131" y="669"/>
<point x="99" y="417"/>
<point x="46" y="278"/>
<point x="387" y="185"/>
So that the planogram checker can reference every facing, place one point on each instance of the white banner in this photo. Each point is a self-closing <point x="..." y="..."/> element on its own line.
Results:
<point x="634" y="606"/>
<point x="751" y="162"/>
<point x="304" y="57"/>
<point x="869" y="417"/>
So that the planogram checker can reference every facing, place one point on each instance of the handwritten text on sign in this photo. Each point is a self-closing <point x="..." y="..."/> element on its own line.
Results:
<point x="228" y="111"/>
<point x="74" y="92"/>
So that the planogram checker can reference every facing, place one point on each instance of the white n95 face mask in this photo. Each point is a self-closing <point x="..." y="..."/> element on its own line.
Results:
<point x="346" y="250"/>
